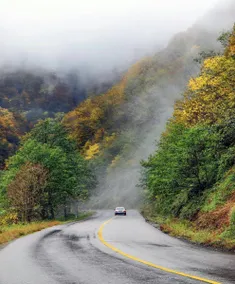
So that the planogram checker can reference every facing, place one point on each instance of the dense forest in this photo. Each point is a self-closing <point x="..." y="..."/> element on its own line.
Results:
<point x="47" y="172"/>
<point x="64" y="139"/>
<point x="117" y="129"/>
<point x="26" y="96"/>
<point x="191" y="175"/>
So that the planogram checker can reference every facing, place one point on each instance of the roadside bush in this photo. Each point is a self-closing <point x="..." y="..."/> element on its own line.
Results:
<point x="232" y="218"/>
<point x="184" y="166"/>
<point x="7" y="219"/>
<point x="230" y="232"/>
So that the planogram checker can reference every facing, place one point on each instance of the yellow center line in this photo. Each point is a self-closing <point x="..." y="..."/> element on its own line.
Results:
<point x="100" y="235"/>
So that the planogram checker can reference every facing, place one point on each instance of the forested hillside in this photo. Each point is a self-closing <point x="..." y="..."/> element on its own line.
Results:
<point x="39" y="93"/>
<point x="117" y="129"/>
<point x="28" y="95"/>
<point x="12" y="127"/>
<point x="46" y="173"/>
<point x="93" y="135"/>
<point x="191" y="175"/>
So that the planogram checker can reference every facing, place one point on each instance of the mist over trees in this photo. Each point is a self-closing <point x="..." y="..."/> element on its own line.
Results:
<point x="191" y="174"/>
<point x="79" y="131"/>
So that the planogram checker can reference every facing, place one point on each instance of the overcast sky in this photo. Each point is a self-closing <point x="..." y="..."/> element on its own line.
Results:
<point x="95" y="32"/>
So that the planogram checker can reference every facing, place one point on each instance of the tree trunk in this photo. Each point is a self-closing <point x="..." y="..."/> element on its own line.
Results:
<point x="51" y="209"/>
<point x="65" y="211"/>
<point x="52" y="212"/>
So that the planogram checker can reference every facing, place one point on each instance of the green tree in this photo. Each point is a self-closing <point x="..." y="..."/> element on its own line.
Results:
<point x="184" y="165"/>
<point x="53" y="133"/>
<point x="69" y="176"/>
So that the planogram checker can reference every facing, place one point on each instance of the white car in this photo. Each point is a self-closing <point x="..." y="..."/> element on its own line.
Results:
<point x="120" y="211"/>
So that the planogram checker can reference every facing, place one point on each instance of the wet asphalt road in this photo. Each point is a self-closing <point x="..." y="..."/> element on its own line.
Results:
<point x="73" y="254"/>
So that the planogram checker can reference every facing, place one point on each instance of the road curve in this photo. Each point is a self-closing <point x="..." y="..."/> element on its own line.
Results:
<point x="74" y="254"/>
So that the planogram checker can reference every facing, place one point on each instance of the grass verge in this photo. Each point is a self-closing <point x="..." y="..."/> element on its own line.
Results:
<point x="220" y="238"/>
<point x="9" y="233"/>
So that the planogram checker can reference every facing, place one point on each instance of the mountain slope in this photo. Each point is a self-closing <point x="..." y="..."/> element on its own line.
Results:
<point x="118" y="128"/>
<point x="191" y="175"/>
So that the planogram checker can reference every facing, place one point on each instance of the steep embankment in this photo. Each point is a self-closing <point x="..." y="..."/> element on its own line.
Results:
<point x="191" y="175"/>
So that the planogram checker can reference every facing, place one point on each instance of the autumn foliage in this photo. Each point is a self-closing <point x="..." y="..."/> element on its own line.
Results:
<point x="12" y="127"/>
<point x="26" y="192"/>
<point x="94" y="120"/>
<point x="210" y="98"/>
<point x="191" y="175"/>
<point x="47" y="172"/>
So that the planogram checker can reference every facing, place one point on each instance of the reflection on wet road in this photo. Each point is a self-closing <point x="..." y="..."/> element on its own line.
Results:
<point x="73" y="254"/>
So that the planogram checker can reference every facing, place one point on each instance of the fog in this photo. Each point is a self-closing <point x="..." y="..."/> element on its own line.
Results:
<point x="90" y="34"/>
<point x="98" y="36"/>
<point x="119" y="187"/>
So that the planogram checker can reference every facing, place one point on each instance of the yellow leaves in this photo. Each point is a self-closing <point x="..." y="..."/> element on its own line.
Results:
<point x="213" y="63"/>
<point x="196" y="83"/>
<point x="95" y="148"/>
<point x="7" y="119"/>
<point x="9" y="127"/>
<point x="92" y="151"/>
<point x="109" y="139"/>
<point x="115" y="161"/>
<point x="115" y="95"/>
<point x="89" y="110"/>
<point x="210" y="97"/>
<point x="231" y="48"/>
<point x="8" y="219"/>
<point x="96" y="113"/>
<point x="85" y="122"/>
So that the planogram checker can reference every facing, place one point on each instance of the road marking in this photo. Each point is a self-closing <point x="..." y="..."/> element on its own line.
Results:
<point x="100" y="235"/>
